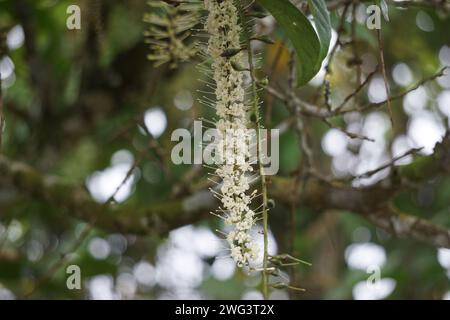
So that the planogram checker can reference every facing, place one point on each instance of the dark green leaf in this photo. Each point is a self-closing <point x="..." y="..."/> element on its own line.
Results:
<point x="323" y="25"/>
<point x="302" y="35"/>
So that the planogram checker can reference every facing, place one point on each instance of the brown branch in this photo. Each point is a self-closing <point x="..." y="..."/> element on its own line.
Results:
<point x="66" y="256"/>
<point x="356" y="91"/>
<point x="349" y="134"/>
<point x="403" y="225"/>
<point x="323" y="113"/>
<point x="440" y="73"/>
<point x="372" y="202"/>
<point x="387" y="165"/>
<point x="75" y="202"/>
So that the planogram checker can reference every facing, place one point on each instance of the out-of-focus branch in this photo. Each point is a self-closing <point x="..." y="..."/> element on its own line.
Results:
<point x="309" y="109"/>
<point x="75" y="202"/>
<point x="403" y="225"/>
<point x="372" y="202"/>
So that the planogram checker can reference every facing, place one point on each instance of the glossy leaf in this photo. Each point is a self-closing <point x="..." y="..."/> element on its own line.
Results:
<point x="323" y="26"/>
<point x="301" y="33"/>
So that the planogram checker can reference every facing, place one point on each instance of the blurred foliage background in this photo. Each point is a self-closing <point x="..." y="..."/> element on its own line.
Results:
<point x="86" y="106"/>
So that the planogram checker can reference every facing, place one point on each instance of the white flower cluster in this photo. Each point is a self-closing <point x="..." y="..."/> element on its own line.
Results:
<point x="224" y="29"/>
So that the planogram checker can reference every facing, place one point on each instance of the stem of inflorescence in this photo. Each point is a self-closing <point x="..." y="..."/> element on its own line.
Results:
<point x="255" y="107"/>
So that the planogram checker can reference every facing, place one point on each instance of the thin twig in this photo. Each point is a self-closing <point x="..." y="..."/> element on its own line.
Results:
<point x="356" y="91"/>
<point x="383" y="71"/>
<point x="440" y="73"/>
<point x="370" y="173"/>
<point x="349" y="134"/>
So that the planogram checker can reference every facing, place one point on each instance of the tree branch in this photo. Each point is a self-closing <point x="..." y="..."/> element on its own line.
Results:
<point x="372" y="202"/>
<point x="75" y="202"/>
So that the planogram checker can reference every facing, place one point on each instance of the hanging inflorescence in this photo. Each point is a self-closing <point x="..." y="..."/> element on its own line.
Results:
<point x="223" y="47"/>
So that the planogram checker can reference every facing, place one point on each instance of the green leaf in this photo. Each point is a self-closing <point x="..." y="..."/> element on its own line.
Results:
<point x="384" y="9"/>
<point x="323" y="25"/>
<point x="302" y="35"/>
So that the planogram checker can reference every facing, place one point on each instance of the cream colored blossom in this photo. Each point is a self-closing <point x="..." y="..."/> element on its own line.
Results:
<point x="224" y="29"/>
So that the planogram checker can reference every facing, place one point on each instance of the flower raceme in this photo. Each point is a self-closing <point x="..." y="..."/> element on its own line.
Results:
<point x="223" y="26"/>
<point x="202" y="147"/>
